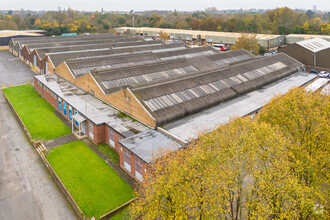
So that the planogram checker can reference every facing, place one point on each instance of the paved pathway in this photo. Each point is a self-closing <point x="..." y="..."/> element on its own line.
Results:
<point x="26" y="189"/>
<point x="119" y="171"/>
<point x="63" y="119"/>
<point x="59" y="141"/>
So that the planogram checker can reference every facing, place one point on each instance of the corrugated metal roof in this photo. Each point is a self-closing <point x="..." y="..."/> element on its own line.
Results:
<point x="190" y="127"/>
<point x="315" y="44"/>
<point x="176" y="98"/>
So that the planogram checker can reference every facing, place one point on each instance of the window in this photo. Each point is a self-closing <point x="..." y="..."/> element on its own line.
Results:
<point x="70" y="113"/>
<point x="127" y="160"/>
<point x="64" y="107"/>
<point x="90" y="130"/>
<point x="59" y="104"/>
<point x="138" y="169"/>
<point x="76" y="112"/>
<point x="112" y="137"/>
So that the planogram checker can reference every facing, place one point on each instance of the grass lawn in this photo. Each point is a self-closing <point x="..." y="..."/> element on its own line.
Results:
<point x="123" y="215"/>
<point x="109" y="153"/>
<point x="36" y="113"/>
<point x="95" y="186"/>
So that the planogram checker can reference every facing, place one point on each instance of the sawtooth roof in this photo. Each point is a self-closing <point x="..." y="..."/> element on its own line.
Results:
<point x="80" y="67"/>
<point x="58" y="58"/>
<point x="26" y="40"/>
<point x="138" y="42"/>
<point x="112" y="80"/>
<point x="174" y="99"/>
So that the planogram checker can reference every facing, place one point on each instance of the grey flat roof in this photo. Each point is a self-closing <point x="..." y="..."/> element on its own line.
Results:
<point x="317" y="84"/>
<point x="326" y="90"/>
<point x="190" y="127"/>
<point x="92" y="108"/>
<point x="147" y="144"/>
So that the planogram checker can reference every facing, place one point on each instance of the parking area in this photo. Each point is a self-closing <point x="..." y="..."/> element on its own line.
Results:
<point x="27" y="190"/>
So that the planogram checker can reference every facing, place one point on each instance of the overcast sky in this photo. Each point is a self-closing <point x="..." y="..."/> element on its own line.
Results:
<point x="137" y="5"/>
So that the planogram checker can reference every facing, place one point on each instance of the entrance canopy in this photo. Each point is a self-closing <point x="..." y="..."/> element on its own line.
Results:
<point x="79" y="118"/>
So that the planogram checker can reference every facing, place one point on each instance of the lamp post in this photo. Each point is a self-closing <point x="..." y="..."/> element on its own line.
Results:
<point x="132" y="12"/>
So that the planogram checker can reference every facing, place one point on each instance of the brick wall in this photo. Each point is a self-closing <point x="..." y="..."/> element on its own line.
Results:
<point x="99" y="134"/>
<point x="25" y="54"/>
<point x="122" y="100"/>
<point x="132" y="160"/>
<point x="37" y="87"/>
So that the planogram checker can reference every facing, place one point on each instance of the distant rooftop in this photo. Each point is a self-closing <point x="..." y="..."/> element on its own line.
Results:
<point x="190" y="127"/>
<point x="196" y="32"/>
<point x="12" y="33"/>
<point x="315" y="44"/>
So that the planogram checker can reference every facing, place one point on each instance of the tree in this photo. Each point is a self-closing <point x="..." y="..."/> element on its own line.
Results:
<point x="239" y="171"/>
<point x="304" y="118"/>
<point x="163" y="36"/>
<point x="248" y="42"/>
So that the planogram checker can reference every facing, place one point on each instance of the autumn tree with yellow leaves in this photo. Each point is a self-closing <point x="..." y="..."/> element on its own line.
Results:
<point x="248" y="42"/>
<point x="248" y="169"/>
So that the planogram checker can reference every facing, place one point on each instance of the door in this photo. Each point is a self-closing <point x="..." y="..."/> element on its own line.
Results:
<point x="46" y="68"/>
<point x="112" y="138"/>
<point x="91" y="130"/>
<point x="83" y="127"/>
<point x="34" y="60"/>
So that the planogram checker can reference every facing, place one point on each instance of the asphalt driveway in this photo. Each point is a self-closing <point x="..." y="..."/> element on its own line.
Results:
<point x="27" y="190"/>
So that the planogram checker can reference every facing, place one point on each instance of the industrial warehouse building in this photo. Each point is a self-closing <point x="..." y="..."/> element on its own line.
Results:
<point x="266" y="40"/>
<point x="7" y="35"/>
<point x="314" y="52"/>
<point x="141" y="98"/>
<point x="293" y="38"/>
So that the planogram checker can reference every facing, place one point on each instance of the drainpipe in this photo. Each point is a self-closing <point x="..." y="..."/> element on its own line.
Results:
<point x="314" y="59"/>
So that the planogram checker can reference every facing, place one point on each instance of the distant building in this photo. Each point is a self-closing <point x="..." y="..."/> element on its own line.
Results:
<point x="211" y="10"/>
<point x="314" y="8"/>
<point x="313" y="52"/>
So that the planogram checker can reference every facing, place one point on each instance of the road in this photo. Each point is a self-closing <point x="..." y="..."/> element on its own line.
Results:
<point x="27" y="190"/>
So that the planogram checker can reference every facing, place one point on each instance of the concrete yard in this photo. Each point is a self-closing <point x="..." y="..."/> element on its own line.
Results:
<point x="27" y="190"/>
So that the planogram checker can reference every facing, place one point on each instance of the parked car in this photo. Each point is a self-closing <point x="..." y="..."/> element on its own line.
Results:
<point x="323" y="74"/>
<point x="314" y="71"/>
<point x="221" y="47"/>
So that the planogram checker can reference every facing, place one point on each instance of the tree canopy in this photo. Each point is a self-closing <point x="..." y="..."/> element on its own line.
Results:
<point x="277" y="21"/>
<point x="273" y="167"/>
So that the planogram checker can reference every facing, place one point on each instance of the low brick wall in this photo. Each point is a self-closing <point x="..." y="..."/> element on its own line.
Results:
<point x="66" y="193"/>
<point x="64" y="190"/>
<point x="116" y="210"/>
<point x="27" y="133"/>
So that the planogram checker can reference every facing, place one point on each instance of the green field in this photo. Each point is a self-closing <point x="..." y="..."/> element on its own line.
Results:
<point x="123" y="215"/>
<point x="36" y="113"/>
<point x="109" y="153"/>
<point x="95" y="186"/>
